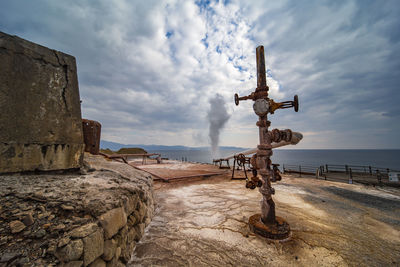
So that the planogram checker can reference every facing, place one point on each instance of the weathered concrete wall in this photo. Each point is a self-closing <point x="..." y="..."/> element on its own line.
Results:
<point x="40" y="122"/>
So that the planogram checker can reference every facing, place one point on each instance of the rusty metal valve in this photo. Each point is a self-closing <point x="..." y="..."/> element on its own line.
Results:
<point x="271" y="103"/>
<point x="286" y="104"/>
<point x="253" y="96"/>
<point x="237" y="98"/>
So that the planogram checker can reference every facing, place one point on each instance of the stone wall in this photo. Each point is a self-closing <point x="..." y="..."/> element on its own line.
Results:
<point x="40" y="122"/>
<point x="93" y="218"/>
<point x="109" y="241"/>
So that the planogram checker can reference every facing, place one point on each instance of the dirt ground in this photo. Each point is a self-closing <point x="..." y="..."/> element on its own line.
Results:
<point x="204" y="223"/>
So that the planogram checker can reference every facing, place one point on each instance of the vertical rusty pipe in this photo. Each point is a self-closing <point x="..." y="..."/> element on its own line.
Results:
<point x="261" y="78"/>
<point x="264" y="150"/>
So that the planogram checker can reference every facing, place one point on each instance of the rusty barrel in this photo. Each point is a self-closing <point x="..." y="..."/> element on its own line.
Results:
<point x="91" y="136"/>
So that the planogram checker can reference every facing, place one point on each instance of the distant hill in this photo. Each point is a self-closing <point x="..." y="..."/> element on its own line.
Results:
<point x="116" y="146"/>
<point x="124" y="150"/>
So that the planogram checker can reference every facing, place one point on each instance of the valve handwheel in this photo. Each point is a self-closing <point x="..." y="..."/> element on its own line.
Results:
<point x="242" y="159"/>
<point x="296" y="103"/>
<point x="236" y="99"/>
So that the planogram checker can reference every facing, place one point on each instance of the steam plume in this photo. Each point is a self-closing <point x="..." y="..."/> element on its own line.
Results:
<point x="217" y="117"/>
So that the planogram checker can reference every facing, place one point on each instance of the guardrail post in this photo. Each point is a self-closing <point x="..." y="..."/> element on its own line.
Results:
<point x="351" y="177"/>
<point x="379" y="176"/>
<point x="283" y="168"/>
<point x="300" y="170"/>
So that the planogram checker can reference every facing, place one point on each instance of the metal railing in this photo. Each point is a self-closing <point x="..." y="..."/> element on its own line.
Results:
<point x="350" y="173"/>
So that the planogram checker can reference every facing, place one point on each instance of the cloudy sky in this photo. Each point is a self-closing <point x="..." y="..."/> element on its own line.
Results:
<point x="148" y="69"/>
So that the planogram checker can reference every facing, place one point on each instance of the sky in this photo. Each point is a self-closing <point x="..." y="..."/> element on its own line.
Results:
<point x="147" y="70"/>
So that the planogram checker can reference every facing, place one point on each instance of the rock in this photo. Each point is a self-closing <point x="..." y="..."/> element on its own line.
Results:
<point x="130" y="204"/>
<point x="131" y="235"/>
<point x="132" y="220"/>
<point x="98" y="263"/>
<point x="42" y="208"/>
<point x="124" y="234"/>
<point x="84" y="230"/>
<point x="28" y="219"/>
<point x="22" y="261"/>
<point x="71" y="252"/>
<point x="23" y="207"/>
<point x="63" y="241"/>
<point x="118" y="252"/>
<point x="9" y="256"/>
<point x="73" y="264"/>
<point x="59" y="227"/>
<point x="52" y="249"/>
<point x="94" y="246"/>
<point x="139" y="230"/>
<point x="137" y="216"/>
<point x="43" y="215"/>
<point x="78" y="219"/>
<point x="112" y="221"/>
<point x="109" y="249"/>
<point x="26" y="233"/>
<point x="147" y="221"/>
<point x="142" y="211"/>
<point x="39" y="195"/>
<point x="115" y="263"/>
<point x="66" y="207"/>
<point x="15" y="211"/>
<point x="125" y="255"/>
<point x="16" y="226"/>
<point x="40" y="234"/>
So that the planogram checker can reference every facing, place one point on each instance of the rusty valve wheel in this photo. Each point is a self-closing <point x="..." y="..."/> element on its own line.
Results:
<point x="237" y="99"/>
<point x="250" y="184"/>
<point x="256" y="181"/>
<point x="296" y="103"/>
<point x="286" y="104"/>
<point x="241" y="159"/>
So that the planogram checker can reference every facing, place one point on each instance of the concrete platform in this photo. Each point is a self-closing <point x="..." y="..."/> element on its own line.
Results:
<point x="204" y="223"/>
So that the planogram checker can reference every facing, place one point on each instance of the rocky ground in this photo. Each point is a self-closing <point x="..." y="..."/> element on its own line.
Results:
<point x="96" y="217"/>
<point x="204" y="223"/>
<point x="52" y="218"/>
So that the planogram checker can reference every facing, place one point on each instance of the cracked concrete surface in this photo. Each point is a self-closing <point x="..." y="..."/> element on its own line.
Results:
<point x="204" y="223"/>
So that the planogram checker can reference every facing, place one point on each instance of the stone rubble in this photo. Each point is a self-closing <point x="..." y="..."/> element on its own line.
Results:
<point x="91" y="218"/>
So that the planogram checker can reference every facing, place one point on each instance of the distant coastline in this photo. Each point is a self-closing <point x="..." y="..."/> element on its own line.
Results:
<point x="384" y="158"/>
<point x="116" y="146"/>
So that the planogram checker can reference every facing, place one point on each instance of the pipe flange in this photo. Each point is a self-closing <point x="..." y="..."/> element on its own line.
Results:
<point x="278" y="230"/>
<point x="264" y="147"/>
<point x="288" y="135"/>
<point x="275" y="135"/>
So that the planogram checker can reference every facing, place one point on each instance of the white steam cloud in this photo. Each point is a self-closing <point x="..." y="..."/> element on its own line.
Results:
<point x="217" y="117"/>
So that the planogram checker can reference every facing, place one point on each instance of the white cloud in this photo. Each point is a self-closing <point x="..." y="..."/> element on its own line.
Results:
<point x="147" y="68"/>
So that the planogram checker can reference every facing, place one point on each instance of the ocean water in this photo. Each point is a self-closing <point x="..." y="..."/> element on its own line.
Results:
<point x="314" y="157"/>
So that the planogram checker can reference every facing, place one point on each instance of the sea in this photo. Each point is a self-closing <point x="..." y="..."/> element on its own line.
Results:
<point x="381" y="158"/>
